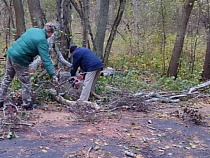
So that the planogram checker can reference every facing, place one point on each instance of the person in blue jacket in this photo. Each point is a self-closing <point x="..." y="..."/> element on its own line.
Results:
<point x="90" y="64"/>
<point x="20" y="54"/>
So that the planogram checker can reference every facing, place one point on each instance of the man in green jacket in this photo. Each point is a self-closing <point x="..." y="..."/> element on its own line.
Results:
<point x="20" y="54"/>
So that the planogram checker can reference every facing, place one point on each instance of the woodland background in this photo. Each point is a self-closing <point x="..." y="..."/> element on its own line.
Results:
<point x="161" y="44"/>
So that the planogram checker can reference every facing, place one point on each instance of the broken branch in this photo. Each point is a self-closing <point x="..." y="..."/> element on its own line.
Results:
<point x="195" y="88"/>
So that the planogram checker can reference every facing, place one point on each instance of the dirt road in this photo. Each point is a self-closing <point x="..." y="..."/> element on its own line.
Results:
<point x="159" y="133"/>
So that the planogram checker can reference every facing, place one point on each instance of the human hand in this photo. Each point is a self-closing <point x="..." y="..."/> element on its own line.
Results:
<point x="40" y="62"/>
<point x="55" y="80"/>
<point x="79" y="76"/>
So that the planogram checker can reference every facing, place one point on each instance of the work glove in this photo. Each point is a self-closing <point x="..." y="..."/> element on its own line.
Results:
<point x="79" y="76"/>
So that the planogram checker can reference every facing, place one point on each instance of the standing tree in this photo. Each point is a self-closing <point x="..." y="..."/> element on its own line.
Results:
<point x="136" y="14"/>
<point x="101" y="28"/>
<point x="82" y="8"/>
<point x="206" y="67"/>
<point x="174" y="62"/>
<point x="163" y="35"/>
<point x="98" y="42"/>
<point x="36" y="13"/>
<point x="86" y="13"/>
<point x="63" y="16"/>
<point x="113" y="31"/>
<point x="20" y="22"/>
<point x="10" y="23"/>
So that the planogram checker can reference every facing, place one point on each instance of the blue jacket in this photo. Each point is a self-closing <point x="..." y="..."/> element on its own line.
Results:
<point x="86" y="60"/>
<point x="32" y="43"/>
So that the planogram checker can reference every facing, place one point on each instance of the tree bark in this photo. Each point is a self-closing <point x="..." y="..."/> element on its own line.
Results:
<point x="85" y="21"/>
<point x="101" y="27"/>
<point x="136" y="16"/>
<point x="163" y="36"/>
<point x="64" y="14"/>
<point x="74" y="104"/>
<point x="20" y="22"/>
<point x="174" y="62"/>
<point x="113" y="31"/>
<point x="10" y="23"/>
<point x="206" y="67"/>
<point x="86" y="14"/>
<point x="36" y="13"/>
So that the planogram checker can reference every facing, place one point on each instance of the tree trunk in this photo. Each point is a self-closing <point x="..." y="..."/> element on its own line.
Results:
<point x="163" y="36"/>
<point x="174" y="62"/>
<point x="82" y="8"/>
<point x="101" y="27"/>
<point x="136" y="16"/>
<point x="85" y="22"/>
<point x="64" y="14"/>
<point x="206" y="67"/>
<point x="20" y="22"/>
<point x="85" y="19"/>
<point x="9" y="9"/>
<point x="113" y="31"/>
<point x="36" y="13"/>
<point x="10" y="23"/>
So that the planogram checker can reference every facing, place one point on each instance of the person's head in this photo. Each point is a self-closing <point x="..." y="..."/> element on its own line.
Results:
<point x="72" y="49"/>
<point x="50" y="28"/>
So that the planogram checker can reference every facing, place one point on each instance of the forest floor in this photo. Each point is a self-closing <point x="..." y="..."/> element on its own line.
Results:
<point x="163" y="130"/>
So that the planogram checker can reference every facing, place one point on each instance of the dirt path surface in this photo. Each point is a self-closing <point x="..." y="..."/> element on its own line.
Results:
<point x="160" y="133"/>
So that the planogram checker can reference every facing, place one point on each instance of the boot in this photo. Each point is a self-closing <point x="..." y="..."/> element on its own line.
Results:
<point x="1" y="104"/>
<point x="31" y="106"/>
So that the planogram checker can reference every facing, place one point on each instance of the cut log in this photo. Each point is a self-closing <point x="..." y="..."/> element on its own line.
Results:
<point x="60" y="99"/>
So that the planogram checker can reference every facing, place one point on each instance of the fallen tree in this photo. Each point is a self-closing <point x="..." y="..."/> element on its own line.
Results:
<point x="69" y="103"/>
<point x="199" y="86"/>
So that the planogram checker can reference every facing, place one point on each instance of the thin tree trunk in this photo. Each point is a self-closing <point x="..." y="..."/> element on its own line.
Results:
<point x="113" y="31"/>
<point x="174" y="62"/>
<point x="80" y="11"/>
<point x="86" y="14"/>
<point x="136" y="13"/>
<point x="9" y="9"/>
<point x="20" y="22"/>
<point x="163" y="35"/>
<point x="193" y="55"/>
<point x="136" y="16"/>
<point x="10" y="23"/>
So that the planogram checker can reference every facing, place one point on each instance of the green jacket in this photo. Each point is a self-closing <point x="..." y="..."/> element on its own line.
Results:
<point x="32" y="43"/>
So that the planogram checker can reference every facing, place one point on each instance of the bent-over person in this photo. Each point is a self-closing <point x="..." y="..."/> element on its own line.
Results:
<point x="20" y="54"/>
<point x="90" y="64"/>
